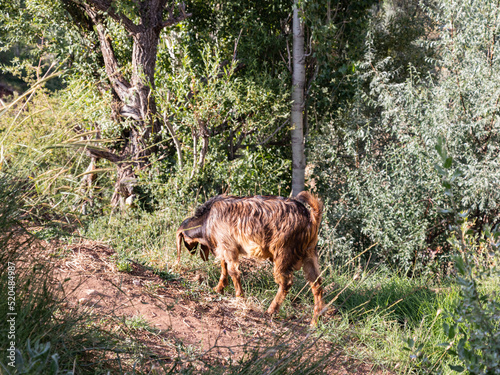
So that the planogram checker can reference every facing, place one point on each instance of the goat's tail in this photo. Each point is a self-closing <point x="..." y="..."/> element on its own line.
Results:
<point x="316" y="208"/>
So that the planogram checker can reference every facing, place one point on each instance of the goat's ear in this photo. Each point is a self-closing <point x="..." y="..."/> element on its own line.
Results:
<point x="179" y="240"/>
<point x="204" y="252"/>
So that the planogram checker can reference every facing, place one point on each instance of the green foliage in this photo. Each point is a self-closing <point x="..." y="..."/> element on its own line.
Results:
<point x="241" y="117"/>
<point x="336" y="33"/>
<point x="377" y="162"/>
<point x="28" y="307"/>
<point x="477" y="317"/>
<point x="472" y="329"/>
<point x="259" y="172"/>
<point x="260" y="30"/>
<point x="476" y="328"/>
<point x="34" y="35"/>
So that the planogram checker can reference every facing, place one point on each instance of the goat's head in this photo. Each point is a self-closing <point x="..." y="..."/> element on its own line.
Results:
<point x="190" y="233"/>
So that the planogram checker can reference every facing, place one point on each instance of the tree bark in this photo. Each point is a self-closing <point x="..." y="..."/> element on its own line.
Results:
<point x="134" y="95"/>
<point x="297" y="113"/>
<point x="204" y="143"/>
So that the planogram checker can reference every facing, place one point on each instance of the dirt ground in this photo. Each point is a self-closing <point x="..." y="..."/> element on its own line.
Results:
<point x="211" y="326"/>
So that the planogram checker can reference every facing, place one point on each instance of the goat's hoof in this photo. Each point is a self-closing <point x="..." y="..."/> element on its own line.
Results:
<point x="272" y="311"/>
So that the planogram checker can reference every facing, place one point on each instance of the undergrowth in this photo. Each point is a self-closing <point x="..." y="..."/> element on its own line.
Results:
<point x="380" y="313"/>
<point x="377" y="308"/>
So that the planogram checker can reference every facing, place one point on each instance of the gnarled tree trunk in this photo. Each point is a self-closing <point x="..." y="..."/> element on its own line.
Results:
<point x="133" y="96"/>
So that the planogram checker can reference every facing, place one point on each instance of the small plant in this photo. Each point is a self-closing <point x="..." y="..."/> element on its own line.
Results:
<point x="473" y="326"/>
<point x="38" y="360"/>
<point x="138" y="322"/>
<point x="123" y="265"/>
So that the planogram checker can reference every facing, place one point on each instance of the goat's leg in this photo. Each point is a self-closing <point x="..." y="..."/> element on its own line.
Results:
<point x="234" y="272"/>
<point x="223" y="278"/>
<point x="312" y="274"/>
<point x="285" y="281"/>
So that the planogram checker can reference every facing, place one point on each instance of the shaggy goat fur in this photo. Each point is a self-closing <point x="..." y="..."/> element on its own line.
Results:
<point x="265" y="227"/>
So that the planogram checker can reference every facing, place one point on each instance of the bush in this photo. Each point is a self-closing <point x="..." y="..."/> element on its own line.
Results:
<point x="376" y="162"/>
<point x="473" y="324"/>
<point x="227" y="129"/>
<point x="476" y="329"/>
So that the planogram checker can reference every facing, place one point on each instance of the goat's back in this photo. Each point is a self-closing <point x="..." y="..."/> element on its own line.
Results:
<point x="263" y="226"/>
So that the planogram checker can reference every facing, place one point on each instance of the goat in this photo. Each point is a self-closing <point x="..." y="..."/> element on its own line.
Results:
<point x="280" y="229"/>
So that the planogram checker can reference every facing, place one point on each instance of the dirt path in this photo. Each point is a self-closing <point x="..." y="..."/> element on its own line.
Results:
<point x="218" y="327"/>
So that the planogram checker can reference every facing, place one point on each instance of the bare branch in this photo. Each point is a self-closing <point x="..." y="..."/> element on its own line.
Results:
<point x="171" y="21"/>
<point x="175" y="139"/>
<point x="272" y="135"/>
<point x="236" y="45"/>
<point x="103" y="154"/>
<point x="105" y="6"/>
<point x="287" y="63"/>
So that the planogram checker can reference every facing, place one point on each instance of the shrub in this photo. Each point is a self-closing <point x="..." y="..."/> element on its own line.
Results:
<point x="375" y="162"/>
<point x="473" y="324"/>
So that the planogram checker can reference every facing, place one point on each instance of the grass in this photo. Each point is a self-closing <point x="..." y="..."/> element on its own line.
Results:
<point x="379" y="310"/>
<point x="382" y="311"/>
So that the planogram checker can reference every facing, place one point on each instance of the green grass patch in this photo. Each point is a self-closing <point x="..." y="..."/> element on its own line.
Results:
<point x="378" y="310"/>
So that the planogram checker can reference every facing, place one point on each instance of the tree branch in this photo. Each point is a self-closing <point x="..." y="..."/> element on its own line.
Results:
<point x="119" y="83"/>
<point x="103" y="154"/>
<point x="175" y="139"/>
<point x="272" y="135"/>
<point x="105" y="6"/>
<point x="175" y="20"/>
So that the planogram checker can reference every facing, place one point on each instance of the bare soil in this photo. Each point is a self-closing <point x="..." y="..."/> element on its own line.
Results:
<point x="170" y="313"/>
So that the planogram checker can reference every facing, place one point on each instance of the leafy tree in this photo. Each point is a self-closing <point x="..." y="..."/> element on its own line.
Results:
<point x="127" y="34"/>
<point x="132" y="95"/>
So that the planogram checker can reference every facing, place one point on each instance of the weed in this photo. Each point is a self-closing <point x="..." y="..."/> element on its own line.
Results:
<point x="124" y="265"/>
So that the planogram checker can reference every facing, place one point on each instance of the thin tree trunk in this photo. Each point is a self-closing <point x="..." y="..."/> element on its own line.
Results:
<point x="204" y="143"/>
<point x="195" y="152"/>
<point x="175" y="139"/>
<point x="297" y="114"/>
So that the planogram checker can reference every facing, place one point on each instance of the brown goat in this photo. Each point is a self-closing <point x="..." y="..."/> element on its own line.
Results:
<point x="265" y="227"/>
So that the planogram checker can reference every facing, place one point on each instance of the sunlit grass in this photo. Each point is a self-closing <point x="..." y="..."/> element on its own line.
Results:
<point x="377" y="309"/>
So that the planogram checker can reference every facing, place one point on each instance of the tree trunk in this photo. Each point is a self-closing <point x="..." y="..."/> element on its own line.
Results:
<point x="134" y="96"/>
<point x="204" y="143"/>
<point x="297" y="114"/>
<point x="144" y="53"/>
